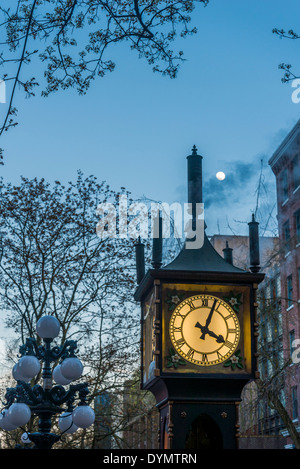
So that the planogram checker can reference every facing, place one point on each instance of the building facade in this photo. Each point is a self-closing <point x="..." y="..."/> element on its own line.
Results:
<point x="285" y="164"/>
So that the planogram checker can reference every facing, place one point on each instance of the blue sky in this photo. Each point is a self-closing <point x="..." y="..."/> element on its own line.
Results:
<point x="135" y="128"/>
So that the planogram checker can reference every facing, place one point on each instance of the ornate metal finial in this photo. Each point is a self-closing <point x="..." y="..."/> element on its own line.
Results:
<point x="194" y="150"/>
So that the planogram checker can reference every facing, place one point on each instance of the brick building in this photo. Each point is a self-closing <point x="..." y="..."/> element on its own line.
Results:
<point x="285" y="164"/>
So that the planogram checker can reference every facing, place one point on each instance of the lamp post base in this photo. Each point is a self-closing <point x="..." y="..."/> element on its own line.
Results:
<point x="43" y="440"/>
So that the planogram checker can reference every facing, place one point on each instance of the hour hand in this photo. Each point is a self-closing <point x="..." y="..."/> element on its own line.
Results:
<point x="204" y="330"/>
<point x="219" y="337"/>
<point x="199" y="325"/>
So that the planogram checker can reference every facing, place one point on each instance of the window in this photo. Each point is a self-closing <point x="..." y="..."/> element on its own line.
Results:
<point x="278" y="287"/>
<point x="291" y="340"/>
<point x="287" y="237"/>
<point x="276" y="326"/>
<point x="273" y="291"/>
<point x="297" y="226"/>
<point x="263" y="368"/>
<point x="296" y="171"/>
<point x="294" y="402"/>
<point x="263" y="333"/>
<point x="289" y="285"/>
<point x="262" y="298"/>
<point x="284" y="185"/>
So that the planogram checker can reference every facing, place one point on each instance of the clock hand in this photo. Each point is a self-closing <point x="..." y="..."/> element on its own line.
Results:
<point x="200" y="327"/>
<point x="204" y="331"/>
<point x="219" y="337"/>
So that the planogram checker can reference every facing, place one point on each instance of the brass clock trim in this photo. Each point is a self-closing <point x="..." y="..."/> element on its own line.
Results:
<point x="204" y="330"/>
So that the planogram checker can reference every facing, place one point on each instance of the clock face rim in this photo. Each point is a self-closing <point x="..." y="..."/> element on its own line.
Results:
<point x="206" y="362"/>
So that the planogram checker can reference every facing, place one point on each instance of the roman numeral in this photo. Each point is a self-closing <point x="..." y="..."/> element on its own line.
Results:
<point x="177" y="329"/>
<point x="204" y="302"/>
<point x="190" y="304"/>
<point x="190" y="353"/>
<point x="228" y="344"/>
<point x="181" y="315"/>
<point x="180" y="342"/>
<point x="204" y="357"/>
<point x="219" y="355"/>
<point x="233" y="331"/>
<point x="227" y="317"/>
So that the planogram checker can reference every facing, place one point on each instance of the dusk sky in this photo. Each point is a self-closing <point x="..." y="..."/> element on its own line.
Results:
<point x="135" y="128"/>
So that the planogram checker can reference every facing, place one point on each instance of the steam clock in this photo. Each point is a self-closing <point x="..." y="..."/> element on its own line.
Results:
<point x="199" y="334"/>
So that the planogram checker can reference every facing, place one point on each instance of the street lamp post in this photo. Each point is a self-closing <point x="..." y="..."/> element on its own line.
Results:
<point x="46" y="400"/>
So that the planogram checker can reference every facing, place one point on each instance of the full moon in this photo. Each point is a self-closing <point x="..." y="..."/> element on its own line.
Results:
<point x="220" y="175"/>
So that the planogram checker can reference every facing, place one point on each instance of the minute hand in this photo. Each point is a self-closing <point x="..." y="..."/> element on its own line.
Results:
<point x="205" y="329"/>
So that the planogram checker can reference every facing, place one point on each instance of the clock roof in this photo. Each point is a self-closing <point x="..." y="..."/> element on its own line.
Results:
<point x="204" y="259"/>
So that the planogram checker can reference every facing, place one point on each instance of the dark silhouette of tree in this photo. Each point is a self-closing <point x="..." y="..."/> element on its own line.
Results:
<point x="53" y="262"/>
<point x="288" y="74"/>
<point x="74" y="39"/>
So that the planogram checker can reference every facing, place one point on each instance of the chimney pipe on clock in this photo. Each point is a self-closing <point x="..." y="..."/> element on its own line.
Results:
<point x="157" y="242"/>
<point x="254" y="245"/>
<point x="194" y="170"/>
<point x="140" y="260"/>
<point x="228" y="254"/>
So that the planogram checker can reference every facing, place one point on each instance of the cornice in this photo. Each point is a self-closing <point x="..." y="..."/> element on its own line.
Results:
<point x="286" y="146"/>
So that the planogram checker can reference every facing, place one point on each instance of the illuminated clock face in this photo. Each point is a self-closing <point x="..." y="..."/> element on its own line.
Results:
<point x="204" y="330"/>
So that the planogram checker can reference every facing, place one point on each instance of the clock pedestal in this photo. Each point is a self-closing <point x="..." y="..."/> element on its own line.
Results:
<point x="203" y="425"/>
<point x="197" y="414"/>
<point x="199" y="336"/>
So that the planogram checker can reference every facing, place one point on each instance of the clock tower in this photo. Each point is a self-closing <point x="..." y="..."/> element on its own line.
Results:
<point x="198" y="335"/>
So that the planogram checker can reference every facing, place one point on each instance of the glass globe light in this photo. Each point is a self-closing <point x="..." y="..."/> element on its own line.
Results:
<point x="48" y="327"/>
<point x="17" y="375"/>
<point x="5" y="422"/>
<point x="71" y="368"/>
<point x="83" y="416"/>
<point x="65" y="423"/>
<point x="58" y="377"/>
<point x="25" y="438"/>
<point x="19" y="414"/>
<point x="29" y="366"/>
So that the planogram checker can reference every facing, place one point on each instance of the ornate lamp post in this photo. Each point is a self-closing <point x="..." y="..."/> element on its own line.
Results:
<point x="47" y="400"/>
